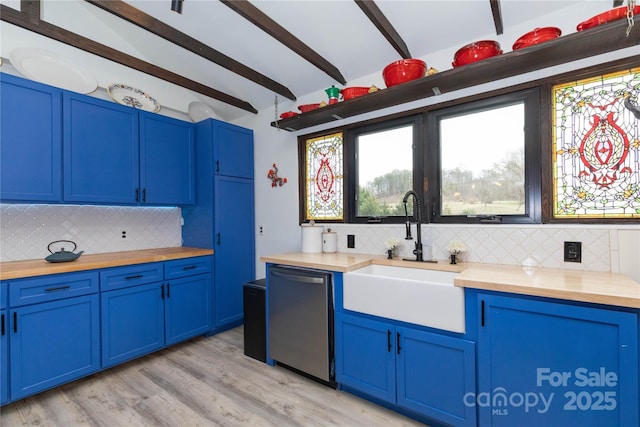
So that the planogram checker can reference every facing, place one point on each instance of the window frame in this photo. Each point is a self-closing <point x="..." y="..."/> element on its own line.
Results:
<point x="351" y="136"/>
<point x="532" y="155"/>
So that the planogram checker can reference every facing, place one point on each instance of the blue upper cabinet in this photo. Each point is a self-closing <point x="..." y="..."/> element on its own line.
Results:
<point x="233" y="148"/>
<point x="115" y="154"/>
<point x="100" y="151"/>
<point x="167" y="168"/>
<point x="31" y="141"/>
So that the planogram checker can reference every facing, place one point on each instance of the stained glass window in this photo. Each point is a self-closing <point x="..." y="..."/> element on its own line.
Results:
<point x="596" y="146"/>
<point x="324" y="178"/>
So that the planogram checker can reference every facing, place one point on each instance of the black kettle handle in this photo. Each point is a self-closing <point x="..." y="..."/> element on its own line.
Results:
<point x="58" y="241"/>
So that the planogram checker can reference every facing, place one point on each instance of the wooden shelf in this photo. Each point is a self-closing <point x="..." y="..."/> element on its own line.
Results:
<point x="572" y="47"/>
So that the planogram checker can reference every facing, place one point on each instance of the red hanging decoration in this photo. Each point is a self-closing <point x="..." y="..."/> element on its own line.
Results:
<point x="273" y="176"/>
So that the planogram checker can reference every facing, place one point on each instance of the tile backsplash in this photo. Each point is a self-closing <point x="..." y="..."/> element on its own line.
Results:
<point x="604" y="248"/>
<point x="27" y="230"/>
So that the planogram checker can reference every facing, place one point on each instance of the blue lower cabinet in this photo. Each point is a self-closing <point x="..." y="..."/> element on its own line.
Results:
<point x="4" y="357"/>
<point x="425" y="373"/>
<point x="53" y="343"/>
<point x="554" y="364"/>
<point x="188" y="308"/>
<point x="365" y="356"/>
<point x="434" y="375"/>
<point x="132" y="322"/>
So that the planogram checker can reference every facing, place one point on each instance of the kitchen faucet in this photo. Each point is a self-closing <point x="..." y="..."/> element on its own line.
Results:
<point x="416" y="204"/>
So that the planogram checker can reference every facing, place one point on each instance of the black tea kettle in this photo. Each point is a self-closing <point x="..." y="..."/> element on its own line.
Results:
<point x="62" y="255"/>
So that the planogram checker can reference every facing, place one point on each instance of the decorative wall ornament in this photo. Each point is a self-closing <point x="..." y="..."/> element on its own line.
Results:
<point x="275" y="179"/>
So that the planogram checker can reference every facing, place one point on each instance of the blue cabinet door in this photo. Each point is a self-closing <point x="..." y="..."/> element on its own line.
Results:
<point x="188" y="307"/>
<point x="52" y="343"/>
<point x="31" y="141"/>
<point x="365" y="356"/>
<point x="167" y="160"/>
<point x="545" y="363"/>
<point x="434" y="374"/>
<point x="234" y="246"/>
<point x="4" y="357"/>
<point x="233" y="150"/>
<point x="132" y="322"/>
<point x="100" y="151"/>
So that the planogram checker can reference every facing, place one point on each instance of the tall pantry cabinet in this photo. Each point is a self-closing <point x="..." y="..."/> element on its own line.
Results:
<point x="223" y="216"/>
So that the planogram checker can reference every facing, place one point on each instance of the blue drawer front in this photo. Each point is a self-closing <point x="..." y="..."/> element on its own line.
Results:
<point x="50" y="288"/>
<point x="187" y="267"/>
<point x="124" y="277"/>
<point x="3" y="294"/>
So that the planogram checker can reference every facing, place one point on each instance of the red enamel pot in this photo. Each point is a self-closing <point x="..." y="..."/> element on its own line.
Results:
<point x="476" y="51"/>
<point x="608" y="16"/>
<point x="403" y="71"/>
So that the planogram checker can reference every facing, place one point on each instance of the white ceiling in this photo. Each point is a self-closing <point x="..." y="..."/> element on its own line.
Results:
<point x="336" y="29"/>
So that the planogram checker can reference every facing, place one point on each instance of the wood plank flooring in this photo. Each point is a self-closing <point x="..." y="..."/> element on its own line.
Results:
<point x="203" y="382"/>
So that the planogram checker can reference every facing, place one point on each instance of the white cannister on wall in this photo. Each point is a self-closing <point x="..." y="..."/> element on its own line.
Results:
<point x="329" y="241"/>
<point x="311" y="237"/>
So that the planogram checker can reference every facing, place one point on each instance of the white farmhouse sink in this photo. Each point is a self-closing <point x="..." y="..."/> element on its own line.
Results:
<point x="414" y="295"/>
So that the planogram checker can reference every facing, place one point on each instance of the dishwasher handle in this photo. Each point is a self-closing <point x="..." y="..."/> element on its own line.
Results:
<point x="299" y="278"/>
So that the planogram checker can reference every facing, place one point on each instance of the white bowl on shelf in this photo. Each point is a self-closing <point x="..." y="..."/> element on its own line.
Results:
<point x="199" y="111"/>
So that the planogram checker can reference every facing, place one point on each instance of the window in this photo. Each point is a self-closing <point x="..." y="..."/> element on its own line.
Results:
<point x="324" y="178"/>
<point x="483" y="160"/>
<point x="383" y="156"/>
<point x="596" y="147"/>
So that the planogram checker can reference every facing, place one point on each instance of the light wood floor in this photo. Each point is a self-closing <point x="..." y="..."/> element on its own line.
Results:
<point x="203" y="382"/>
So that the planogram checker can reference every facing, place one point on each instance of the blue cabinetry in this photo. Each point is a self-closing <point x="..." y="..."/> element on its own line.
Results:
<point x="101" y="159"/>
<point x="426" y="373"/>
<point x="167" y="160"/>
<point x="132" y="322"/>
<point x="232" y="150"/>
<point x="54" y="341"/>
<point x="57" y="328"/>
<point x="223" y="217"/>
<point x="556" y="364"/>
<point x="4" y="345"/>
<point x="31" y="141"/>
<point x="148" y="306"/>
<point x="119" y="155"/>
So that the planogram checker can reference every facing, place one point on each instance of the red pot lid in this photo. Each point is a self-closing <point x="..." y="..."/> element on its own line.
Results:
<point x="536" y="36"/>
<point x="608" y="16"/>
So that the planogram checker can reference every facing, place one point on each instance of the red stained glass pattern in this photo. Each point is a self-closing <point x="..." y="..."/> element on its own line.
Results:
<point x="324" y="198"/>
<point x="596" y="146"/>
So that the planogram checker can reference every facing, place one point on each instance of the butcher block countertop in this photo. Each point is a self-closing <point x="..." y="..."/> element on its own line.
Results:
<point x="585" y="286"/>
<point x="32" y="268"/>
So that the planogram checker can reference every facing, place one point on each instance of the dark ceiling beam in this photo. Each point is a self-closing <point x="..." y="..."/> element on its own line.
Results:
<point x="149" y="23"/>
<point x="46" y="29"/>
<point x="31" y="8"/>
<point x="617" y="3"/>
<point x="383" y="25"/>
<point x="497" y="16"/>
<point x="275" y="30"/>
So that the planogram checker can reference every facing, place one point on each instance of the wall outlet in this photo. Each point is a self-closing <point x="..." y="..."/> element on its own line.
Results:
<point x="351" y="241"/>
<point x="572" y="251"/>
<point x="123" y="234"/>
<point x="260" y="230"/>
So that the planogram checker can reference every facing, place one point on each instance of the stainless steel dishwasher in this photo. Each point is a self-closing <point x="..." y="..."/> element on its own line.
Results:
<point x="301" y="321"/>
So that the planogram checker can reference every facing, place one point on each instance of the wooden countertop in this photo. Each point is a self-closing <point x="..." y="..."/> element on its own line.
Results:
<point x="339" y="261"/>
<point x="31" y="268"/>
<point x="585" y="286"/>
